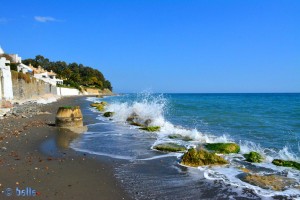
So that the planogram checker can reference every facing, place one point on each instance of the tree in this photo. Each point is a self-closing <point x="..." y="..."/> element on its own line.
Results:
<point x="76" y="74"/>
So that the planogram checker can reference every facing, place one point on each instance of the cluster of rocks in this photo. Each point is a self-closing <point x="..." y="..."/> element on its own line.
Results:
<point x="133" y="119"/>
<point x="24" y="110"/>
<point x="209" y="154"/>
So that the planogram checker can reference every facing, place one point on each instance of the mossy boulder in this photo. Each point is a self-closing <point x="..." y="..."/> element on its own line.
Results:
<point x="151" y="128"/>
<point x="286" y="163"/>
<point x="180" y="137"/>
<point x="274" y="182"/>
<point x="224" y="148"/>
<point x="100" y="107"/>
<point x="94" y="104"/>
<point x="170" y="147"/>
<point x="108" y="114"/>
<point x="253" y="157"/>
<point x="201" y="157"/>
<point x="103" y="103"/>
<point x="135" y="123"/>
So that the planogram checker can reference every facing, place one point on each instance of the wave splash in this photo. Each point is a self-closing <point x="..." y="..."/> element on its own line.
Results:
<point x="152" y="108"/>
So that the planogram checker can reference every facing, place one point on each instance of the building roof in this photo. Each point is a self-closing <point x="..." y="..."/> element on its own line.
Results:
<point x="26" y="67"/>
<point x="40" y="70"/>
<point x="51" y="73"/>
<point x="1" y="51"/>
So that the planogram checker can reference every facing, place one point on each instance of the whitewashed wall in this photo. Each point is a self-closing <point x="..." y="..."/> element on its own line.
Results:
<point x="67" y="91"/>
<point x="6" y="89"/>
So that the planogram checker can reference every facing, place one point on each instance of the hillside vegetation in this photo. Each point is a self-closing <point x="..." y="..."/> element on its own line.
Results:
<point x="74" y="74"/>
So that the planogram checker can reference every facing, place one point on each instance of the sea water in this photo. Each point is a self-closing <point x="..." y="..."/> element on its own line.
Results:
<point x="265" y="123"/>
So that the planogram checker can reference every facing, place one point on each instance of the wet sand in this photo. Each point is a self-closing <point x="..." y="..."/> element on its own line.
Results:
<point x="34" y="155"/>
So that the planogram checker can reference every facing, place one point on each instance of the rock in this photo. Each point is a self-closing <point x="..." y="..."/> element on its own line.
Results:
<point x="100" y="107"/>
<point x="225" y="148"/>
<point x="180" y="137"/>
<point x="286" y="163"/>
<point x="151" y="128"/>
<point x="132" y="117"/>
<point x="201" y="157"/>
<point x="94" y="104"/>
<point x="170" y="147"/>
<point x="108" y="114"/>
<point x="148" y="122"/>
<point x="274" y="182"/>
<point x="69" y="116"/>
<point x="253" y="157"/>
<point x="135" y="124"/>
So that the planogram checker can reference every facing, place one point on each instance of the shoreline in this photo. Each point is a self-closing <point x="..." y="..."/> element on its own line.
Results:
<point x="31" y="158"/>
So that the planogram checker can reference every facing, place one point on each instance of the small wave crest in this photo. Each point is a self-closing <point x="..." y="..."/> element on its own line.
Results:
<point x="146" y="107"/>
<point x="269" y="153"/>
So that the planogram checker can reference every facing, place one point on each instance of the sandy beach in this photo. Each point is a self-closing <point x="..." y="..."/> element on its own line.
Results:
<point x="33" y="156"/>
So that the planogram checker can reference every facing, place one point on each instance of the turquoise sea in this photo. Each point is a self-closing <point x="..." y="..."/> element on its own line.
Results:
<point x="265" y="123"/>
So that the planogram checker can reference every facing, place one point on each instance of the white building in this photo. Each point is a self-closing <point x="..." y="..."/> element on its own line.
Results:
<point x="6" y="89"/>
<point x="15" y="58"/>
<point x="24" y="68"/>
<point x="48" y="77"/>
<point x="1" y="51"/>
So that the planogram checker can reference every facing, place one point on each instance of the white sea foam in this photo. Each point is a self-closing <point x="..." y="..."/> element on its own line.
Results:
<point x="101" y="153"/>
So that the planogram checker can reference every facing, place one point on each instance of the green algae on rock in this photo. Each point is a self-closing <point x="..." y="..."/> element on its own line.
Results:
<point x="253" y="157"/>
<point x="286" y="163"/>
<point x="224" y="148"/>
<point x="201" y="157"/>
<point x="151" y="128"/>
<point x="180" y="137"/>
<point x="99" y="106"/>
<point x="135" y="124"/>
<point x="94" y="104"/>
<point x="170" y="147"/>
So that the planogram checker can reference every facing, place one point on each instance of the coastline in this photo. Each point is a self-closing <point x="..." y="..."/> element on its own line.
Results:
<point x="30" y="158"/>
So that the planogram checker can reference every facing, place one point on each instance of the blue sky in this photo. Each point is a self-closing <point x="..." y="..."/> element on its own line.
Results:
<point x="165" y="45"/>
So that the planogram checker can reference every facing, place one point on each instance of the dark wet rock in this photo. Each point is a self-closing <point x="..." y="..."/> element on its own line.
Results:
<point x="253" y="157"/>
<point x="132" y="117"/>
<point x="148" y="122"/>
<point x="170" y="147"/>
<point x="224" y="148"/>
<point x="201" y="157"/>
<point x="108" y="114"/>
<point x="286" y="163"/>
